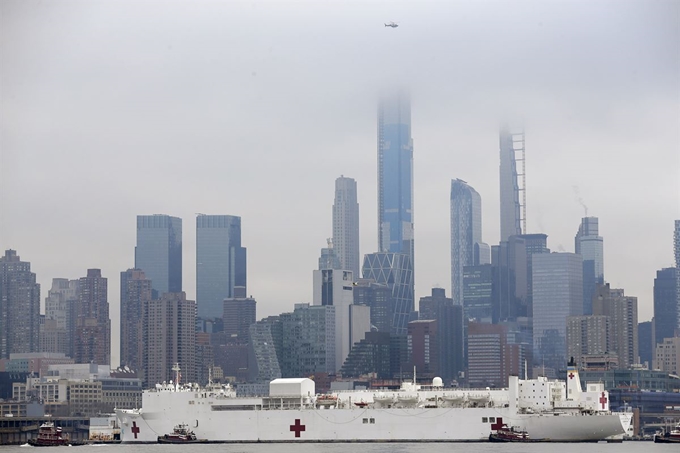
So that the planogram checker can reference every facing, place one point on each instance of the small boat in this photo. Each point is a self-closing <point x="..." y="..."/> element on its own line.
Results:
<point x="181" y="434"/>
<point x="509" y="434"/>
<point x="51" y="436"/>
<point x="668" y="436"/>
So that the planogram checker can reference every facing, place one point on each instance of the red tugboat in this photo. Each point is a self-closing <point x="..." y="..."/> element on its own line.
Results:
<point x="180" y="435"/>
<point x="51" y="436"/>
<point x="668" y="437"/>
<point x="509" y="434"/>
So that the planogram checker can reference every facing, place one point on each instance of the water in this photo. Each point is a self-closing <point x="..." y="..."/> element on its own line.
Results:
<point x="625" y="447"/>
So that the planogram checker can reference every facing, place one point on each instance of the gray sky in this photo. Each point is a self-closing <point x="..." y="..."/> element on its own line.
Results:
<point x="111" y="109"/>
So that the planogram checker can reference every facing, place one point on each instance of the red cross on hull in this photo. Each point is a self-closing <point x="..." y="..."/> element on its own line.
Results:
<point x="297" y="427"/>
<point x="135" y="429"/>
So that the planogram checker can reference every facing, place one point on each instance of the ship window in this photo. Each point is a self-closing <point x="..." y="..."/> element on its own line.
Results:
<point x="372" y="421"/>
<point x="485" y="420"/>
<point x="365" y="421"/>
<point x="492" y="419"/>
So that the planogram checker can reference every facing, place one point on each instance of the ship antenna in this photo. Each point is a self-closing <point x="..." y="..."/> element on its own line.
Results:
<point x="176" y="369"/>
<point x="210" y="376"/>
<point x="414" y="376"/>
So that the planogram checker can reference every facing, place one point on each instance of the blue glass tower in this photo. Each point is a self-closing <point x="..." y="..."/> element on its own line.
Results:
<point x="220" y="262"/>
<point x="395" y="176"/>
<point x="159" y="252"/>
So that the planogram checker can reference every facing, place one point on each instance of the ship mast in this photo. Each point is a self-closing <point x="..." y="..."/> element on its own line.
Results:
<point x="176" y="369"/>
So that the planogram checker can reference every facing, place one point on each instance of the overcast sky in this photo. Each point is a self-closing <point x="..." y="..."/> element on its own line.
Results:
<point x="111" y="109"/>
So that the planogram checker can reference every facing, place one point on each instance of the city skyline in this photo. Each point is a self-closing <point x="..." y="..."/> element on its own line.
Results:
<point x="170" y="145"/>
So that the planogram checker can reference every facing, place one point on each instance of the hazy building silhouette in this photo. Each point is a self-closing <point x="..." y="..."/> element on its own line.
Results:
<point x="169" y="332"/>
<point x="93" y="325"/>
<point x="466" y="232"/>
<point x="329" y="259"/>
<point x="220" y="262"/>
<point x="478" y="292"/>
<point x="450" y="332"/>
<point x="489" y="355"/>
<point x="645" y="343"/>
<point x="239" y="313"/>
<point x="395" y="178"/>
<point x="623" y="318"/>
<point x="57" y="334"/>
<point x="19" y="306"/>
<point x="135" y="291"/>
<point x="423" y="347"/>
<point x="394" y="270"/>
<point x="558" y="294"/>
<point x="511" y="218"/>
<point x="665" y="306"/>
<point x="346" y="225"/>
<point x="159" y="252"/>
<point x="533" y="243"/>
<point x="377" y="297"/>
<point x="589" y="245"/>
<point x="509" y="260"/>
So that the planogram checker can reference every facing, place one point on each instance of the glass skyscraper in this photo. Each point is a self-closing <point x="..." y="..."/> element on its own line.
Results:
<point x="159" y="252"/>
<point x="466" y="231"/>
<point x="220" y="262"/>
<point x="589" y="245"/>
<point x="395" y="176"/>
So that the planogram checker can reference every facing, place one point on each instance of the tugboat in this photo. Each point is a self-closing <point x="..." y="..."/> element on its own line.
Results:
<point x="51" y="436"/>
<point x="668" y="437"/>
<point x="509" y="434"/>
<point x="181" y="434"/>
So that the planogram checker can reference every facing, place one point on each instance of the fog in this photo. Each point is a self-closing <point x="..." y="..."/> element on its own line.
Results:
<point x="111" y="109"/>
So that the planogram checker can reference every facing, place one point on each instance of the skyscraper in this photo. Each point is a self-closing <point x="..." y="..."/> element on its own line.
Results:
<point x="622" y="312"/>
<point x="135" y="291"/>
<point x="159" y="252"/>
<point x="395" y="177"/>
<point x="466" y="231"/>
<point x="329" y="258"/>
<point x="239" y="314"/>
<point x="346" y="225"/>
<point x="169" y="332"/>
<point x="511" y="219"/>
<point x="394" y="270"/>
<point x="93" y="325"/>
<point x="57" y="334"/>
<point x="19" y="306"/>
<point x="665" y="305"/>
<point x="220" y="262"/>
<point x="558" y="294"/>
<point x="589" y="245"/>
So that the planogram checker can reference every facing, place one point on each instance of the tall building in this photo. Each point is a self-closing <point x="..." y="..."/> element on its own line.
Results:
<point x="346" y="225"/>
<point x="665" y="304"/>
<point x="19" y="306"/>
<point x="676" y="248"/>
<point x="93" y="325"/>
<point x="239" y="313"/>
<point x="558" y="294"/>
<point x="333" y="287"/>
<point x="329" y="258"/>
<point x="487" y="355"/>
<point x="623" y="318"/>
<point x="667" y="355"/>
<point x="533" y="243"/>
<point x="169" y="332"/>
<point x="589" y="245"/>
<point x="645" y="343"/>
<point x="377" y="297"/>
<point x="450" y="332"/>
<point x="263" y="364"/>
<point x="395" y="270"/>
<point x="512" y="216"/>
<point x="159" y="252"/>
<point x="510" y="280"/>
<point x="220" y="262"/>
<point x="395" y="177"/>
<point x="373" y="354"/>
<point x="423" y="347"/>
<point x="135" y="292"/>
<point x="57" y="334"/>
<point x="587" y="336"/>
<point x="466" y="232"/>
<point x="478" y="293"/>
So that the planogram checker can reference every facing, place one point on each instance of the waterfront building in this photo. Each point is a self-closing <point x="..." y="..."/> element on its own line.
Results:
<point x="159" y="252"/>
<point x="220" y="262"/>
<point x="93" y="325"/>
<point x="135" y="292"/>
<point x="169" y="333"/>
<point x="395" y="270"/>
<point x="667" y="356"/>
<point x="665" y="304"/>
<point x="19" y="306"/>
<point x="558" y="294"/>
<point x="346" y="225"/>
<point x="466" y="232"/>
<point x="589" y="245"/>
